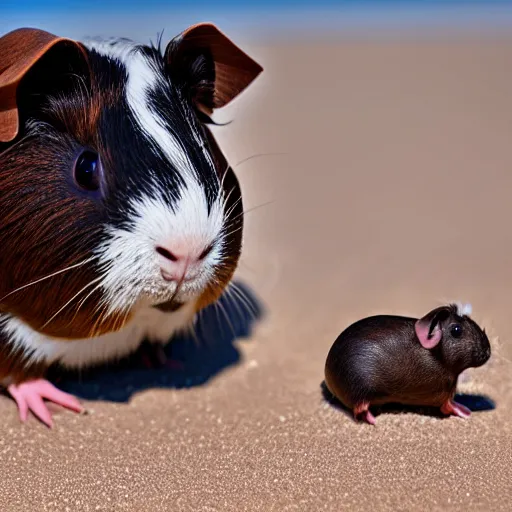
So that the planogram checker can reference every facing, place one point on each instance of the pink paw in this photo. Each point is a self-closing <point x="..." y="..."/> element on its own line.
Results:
<point x="29" y="396"/>
<point x="452" y="407"/>
<point x="361" y="412"/>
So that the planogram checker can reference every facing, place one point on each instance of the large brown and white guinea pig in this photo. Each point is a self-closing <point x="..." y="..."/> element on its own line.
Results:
<point x="120" y="218"/>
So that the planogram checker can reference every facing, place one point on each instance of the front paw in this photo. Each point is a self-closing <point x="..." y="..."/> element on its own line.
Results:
<point x="29" y="397"/>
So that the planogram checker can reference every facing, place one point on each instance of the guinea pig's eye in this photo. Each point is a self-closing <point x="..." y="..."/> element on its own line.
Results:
<point x="456" y="331"/>
<point x="87" y="170"/>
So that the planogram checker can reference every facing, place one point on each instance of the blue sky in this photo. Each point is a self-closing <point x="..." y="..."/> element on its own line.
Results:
<point x="138" y="4"/>
<point x="141" y="19"/>
<point x="60" y="5"/>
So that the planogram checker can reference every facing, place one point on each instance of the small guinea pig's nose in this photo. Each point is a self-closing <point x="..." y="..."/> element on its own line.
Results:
<point x="178" y="265"/>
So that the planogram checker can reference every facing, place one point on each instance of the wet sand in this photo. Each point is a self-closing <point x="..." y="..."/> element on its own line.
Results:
<point x="392" y="195"/>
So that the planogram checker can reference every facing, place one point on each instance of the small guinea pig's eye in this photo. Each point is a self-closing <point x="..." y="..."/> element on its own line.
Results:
<point x="87" y="170"/>
<point x="456" y="331"/>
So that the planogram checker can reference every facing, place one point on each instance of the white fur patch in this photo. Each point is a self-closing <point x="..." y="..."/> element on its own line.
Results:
<point x="148" y="322"/>
<point x="464" y="309"/>
<point x="129" y="261"/>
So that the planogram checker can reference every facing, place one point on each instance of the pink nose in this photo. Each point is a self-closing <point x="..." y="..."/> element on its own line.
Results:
<point x="176" y="265"/>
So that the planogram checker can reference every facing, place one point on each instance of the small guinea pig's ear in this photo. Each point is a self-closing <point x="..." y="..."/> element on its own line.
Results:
<point x="429" y="328"/>
<point x="19" y="51"/>
<point x="209" y="66"/>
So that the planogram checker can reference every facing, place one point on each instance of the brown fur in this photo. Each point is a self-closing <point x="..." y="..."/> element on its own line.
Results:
<point x="380" y="360"/>
<point x="57" y="248"/>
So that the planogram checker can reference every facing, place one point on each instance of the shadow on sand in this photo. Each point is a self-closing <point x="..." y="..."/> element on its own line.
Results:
<point x="196" y="359"/>
<point x="475" y="403"/>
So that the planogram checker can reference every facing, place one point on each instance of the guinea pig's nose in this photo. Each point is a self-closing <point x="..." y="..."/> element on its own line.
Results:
<point x="166" y="254"/>
<point x="176" y="266"/>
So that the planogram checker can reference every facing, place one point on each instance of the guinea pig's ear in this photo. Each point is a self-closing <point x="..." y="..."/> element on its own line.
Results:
<point x="19" y="51"/>
<point x="429" y="328"/>
<point x="209" y="66"/>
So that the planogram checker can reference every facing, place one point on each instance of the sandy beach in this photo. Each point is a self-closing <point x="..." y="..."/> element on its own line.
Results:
<point x="383" y="186"/>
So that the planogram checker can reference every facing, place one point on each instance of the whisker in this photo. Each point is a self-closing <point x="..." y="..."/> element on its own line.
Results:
<point x="72" y="299"/>
<point x="217" y="314"/>
<point x="234" y="219"/>
<point x="16" y="144"/>
<point x="234" y="303"/>
<point x="127" y="301"/>
<point x="223" y="309"/>
<point x="232" y="207"/>
<point x="71" y="267"/>
<point x="245" y="301"/>
<point x="245" y="212"/>
<point x="224" y="176"/>
<point x="257" y="155"/>
<point x="225" y="202"/>
<point x="243" y="161"/>
<point x="82" y="302"/>
<point x="229" y="233"/>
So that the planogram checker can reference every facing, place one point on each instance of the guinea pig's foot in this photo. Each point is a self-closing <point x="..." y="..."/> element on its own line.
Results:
<point x="29" y="397"/>
<point x="451" y="407"/>
<point x="362" y="413"/>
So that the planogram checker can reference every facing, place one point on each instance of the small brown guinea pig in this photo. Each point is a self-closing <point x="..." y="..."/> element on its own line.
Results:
<point x="120" y="217"/>
<point x="392" y="359"/>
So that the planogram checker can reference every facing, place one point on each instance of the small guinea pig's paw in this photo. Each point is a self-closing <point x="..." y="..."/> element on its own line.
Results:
<point x="362" y="413"/>
<point x="450" y="407"/>
<point x="29" y="397"/>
